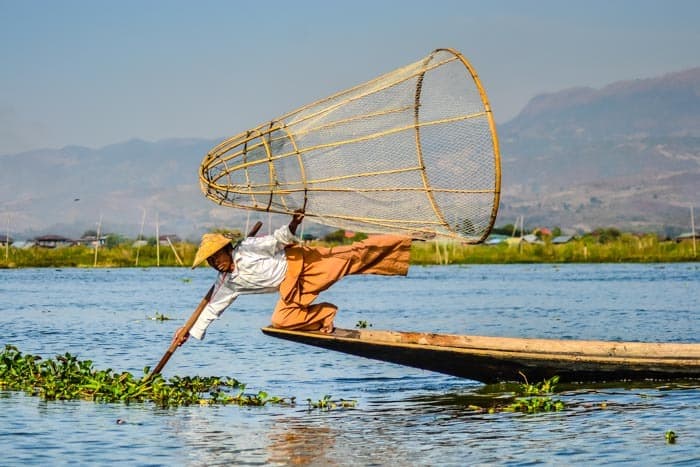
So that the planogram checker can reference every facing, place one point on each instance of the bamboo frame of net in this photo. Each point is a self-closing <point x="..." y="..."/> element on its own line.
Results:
<point x="412" y="151"/>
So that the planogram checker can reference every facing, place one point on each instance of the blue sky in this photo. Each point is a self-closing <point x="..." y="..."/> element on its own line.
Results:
<point x="93" y="73"/>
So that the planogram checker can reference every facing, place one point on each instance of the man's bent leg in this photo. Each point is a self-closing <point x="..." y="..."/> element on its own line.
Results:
<point x="309" y="318"/>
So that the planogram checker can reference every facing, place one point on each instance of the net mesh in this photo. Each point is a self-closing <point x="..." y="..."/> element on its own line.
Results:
<point x="413" y="151"/>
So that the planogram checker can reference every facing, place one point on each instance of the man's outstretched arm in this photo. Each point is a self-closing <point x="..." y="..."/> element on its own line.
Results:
<point x="297" y="217"/>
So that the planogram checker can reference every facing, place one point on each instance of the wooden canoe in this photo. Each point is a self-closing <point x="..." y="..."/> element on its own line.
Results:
<point x="499" y="359"/>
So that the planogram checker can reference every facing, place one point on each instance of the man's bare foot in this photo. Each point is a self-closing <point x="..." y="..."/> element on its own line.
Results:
<point x="327" y="329"/>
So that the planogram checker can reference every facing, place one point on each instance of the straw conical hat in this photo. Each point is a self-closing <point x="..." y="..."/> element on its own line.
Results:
<point x="211" y="243"/>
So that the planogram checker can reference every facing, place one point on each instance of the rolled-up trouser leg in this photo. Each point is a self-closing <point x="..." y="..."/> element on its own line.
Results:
<point x="309" y="318"/>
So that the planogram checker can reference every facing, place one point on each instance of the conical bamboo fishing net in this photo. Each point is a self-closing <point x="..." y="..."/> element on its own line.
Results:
<point x="412" y="151"/>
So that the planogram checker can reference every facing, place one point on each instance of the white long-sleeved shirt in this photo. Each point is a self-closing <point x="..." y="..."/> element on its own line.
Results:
<point x="260" y="268"/>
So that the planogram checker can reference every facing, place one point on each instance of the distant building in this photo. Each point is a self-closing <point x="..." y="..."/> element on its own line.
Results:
<point x="23" y="244"/>
<point x="529" y="238"/>
<point x="163" y="239"/>
<point x="561" y="239"/>
<point x="53" y="241"/>
<point x="687" y="236"/>
<point x="495" y="239"/>
<point x="532" y="238"/>
<point x="91" y="240"/>
<point x="5" y="240"/>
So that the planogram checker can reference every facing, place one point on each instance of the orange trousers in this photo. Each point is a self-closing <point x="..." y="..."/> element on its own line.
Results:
<point x="310" y="271"/>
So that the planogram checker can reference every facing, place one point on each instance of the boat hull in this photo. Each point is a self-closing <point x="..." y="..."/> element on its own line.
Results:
<point x="496" y="359"/>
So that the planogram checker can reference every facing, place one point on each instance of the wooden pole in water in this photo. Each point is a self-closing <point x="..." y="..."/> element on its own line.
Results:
<point x="7" y="239"/>
<point x="177" y="257"/>
<point x="97" y="240"/>
<point x="522" y="230"/>
<point x="157" y="241"/>
<point x="140" y="239"/>
<point x="692" y="230"/>
<point x="185" y="330"/>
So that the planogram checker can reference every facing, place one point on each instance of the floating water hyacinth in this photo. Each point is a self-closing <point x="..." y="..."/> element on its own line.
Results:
<point x="159" y="317"/>
<point x="67" y="378"/>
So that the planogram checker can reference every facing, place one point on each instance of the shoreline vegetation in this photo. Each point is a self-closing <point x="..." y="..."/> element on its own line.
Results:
<point x="627" y="248"/>
<point x="606" y="246"/>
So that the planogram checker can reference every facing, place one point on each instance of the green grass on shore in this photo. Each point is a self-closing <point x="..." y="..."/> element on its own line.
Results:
<point x="83" y="257"/>
<point x="625" y="248"/>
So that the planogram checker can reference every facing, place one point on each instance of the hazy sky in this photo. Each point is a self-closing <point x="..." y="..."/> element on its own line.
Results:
<point x="93" y="73"/>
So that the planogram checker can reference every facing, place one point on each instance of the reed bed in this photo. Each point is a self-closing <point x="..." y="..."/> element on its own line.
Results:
<point x="107" y="257"/>
<point x="627" y="248"/>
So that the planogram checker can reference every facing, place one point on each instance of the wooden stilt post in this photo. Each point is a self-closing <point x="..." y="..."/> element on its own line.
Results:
<point x="140" y="239"/>
<point x="692" y="230"/>
<point x="97" y="240"/>
<point x="177" y="257"/>
<point x="7" y="239"/>
<point x="157" y="241"/>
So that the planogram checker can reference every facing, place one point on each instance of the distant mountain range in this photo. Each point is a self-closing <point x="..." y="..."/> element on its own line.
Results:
<point x="68" y="191"/>
<point x="626" y="156"/>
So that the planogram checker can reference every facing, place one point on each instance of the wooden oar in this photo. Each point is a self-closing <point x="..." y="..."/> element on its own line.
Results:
<point x="193" y="319"/>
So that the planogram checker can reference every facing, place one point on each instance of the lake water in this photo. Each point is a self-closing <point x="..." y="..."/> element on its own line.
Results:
<point x="403" y="416"/>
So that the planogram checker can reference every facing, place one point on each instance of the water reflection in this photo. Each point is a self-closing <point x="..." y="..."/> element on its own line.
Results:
<point x="297" y="441"/>
<point x="215" y="436"/>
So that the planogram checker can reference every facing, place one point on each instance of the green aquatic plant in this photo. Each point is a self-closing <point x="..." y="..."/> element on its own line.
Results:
<point x="535" y="398"/>
<point x="67" y="378"/>
<point x="159" y="317"/>
<point x="671" y="437"/>
<point x="362" y="324"/>
<point x="523" y="397"/>
<point x="327" y="403"/>
<point x="543" y="387"/>
<point x="535" y="404"/>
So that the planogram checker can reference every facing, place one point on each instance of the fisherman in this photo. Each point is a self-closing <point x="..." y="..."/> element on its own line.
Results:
<point x="300" y="273"/>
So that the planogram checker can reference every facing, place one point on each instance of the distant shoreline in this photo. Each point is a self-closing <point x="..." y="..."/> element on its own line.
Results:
<point x="625" y="249"/>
